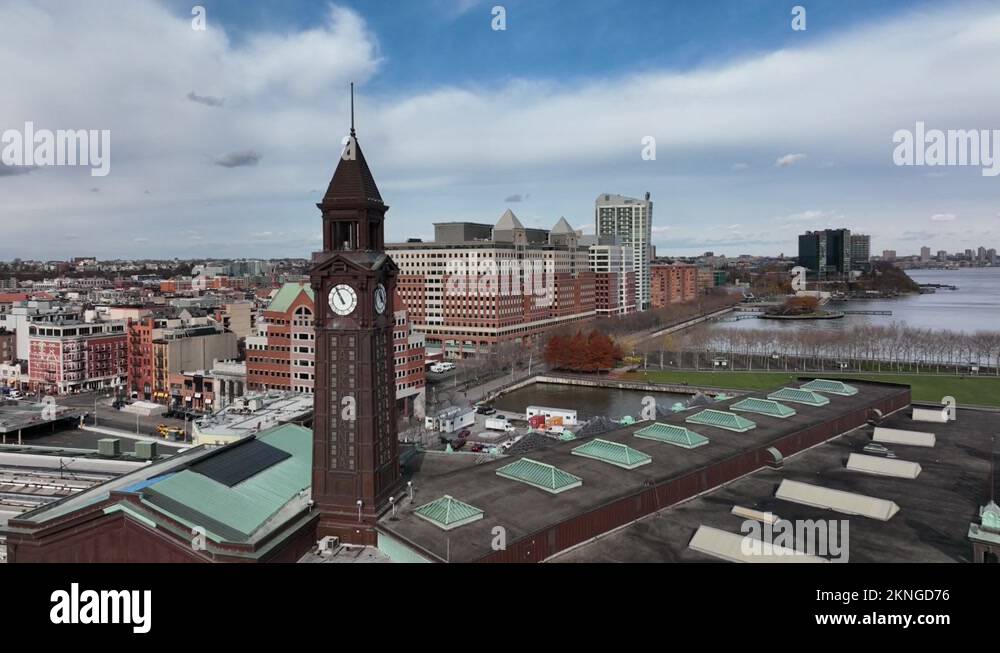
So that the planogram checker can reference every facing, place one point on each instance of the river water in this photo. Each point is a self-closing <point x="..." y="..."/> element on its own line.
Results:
<point x="588" y="402"/>
<point x="975" y="306"/>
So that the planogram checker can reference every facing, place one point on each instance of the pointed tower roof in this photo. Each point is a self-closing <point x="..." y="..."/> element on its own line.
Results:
<point x="353" y="180"/>
<point x="563" y="227"/>
<point x="508" y="221"/>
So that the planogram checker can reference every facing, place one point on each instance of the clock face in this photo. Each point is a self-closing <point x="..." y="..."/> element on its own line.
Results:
<point x="380" y="299"/>
<point x="343" y="299"/>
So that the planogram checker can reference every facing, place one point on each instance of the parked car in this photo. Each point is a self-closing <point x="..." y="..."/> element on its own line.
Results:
<point x="876" y="449"/>
<point x="485" y="410"/>
<point x="438" y="368"/>
<point x="464" y="434"/>
<point x="476" y="447"/>
<point x="16" y="394"/>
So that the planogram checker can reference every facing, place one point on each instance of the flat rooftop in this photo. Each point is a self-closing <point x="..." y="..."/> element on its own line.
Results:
<point x="935" y="509"/>
<point x="523" y="510"/>
<point x="16" y="415"/>
<point x="234" y="420"/>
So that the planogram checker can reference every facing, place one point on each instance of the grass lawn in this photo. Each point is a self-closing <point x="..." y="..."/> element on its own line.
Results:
<point x="980" y="391"/>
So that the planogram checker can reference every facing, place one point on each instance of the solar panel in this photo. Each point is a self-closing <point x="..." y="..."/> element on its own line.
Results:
<point x="235" y="464"/>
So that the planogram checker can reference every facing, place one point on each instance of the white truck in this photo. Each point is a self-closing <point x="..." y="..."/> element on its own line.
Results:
<point x="499" y="424"/>
<point x="442" y="367"/>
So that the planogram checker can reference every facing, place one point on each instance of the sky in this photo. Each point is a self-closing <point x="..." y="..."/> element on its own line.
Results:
<point x="223" y="139"/>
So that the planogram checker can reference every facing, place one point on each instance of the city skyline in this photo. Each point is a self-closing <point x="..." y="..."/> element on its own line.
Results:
<point x="209" y="163"/>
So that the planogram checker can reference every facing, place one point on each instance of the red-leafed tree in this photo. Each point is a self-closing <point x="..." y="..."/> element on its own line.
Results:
<point x="593" y="352"/>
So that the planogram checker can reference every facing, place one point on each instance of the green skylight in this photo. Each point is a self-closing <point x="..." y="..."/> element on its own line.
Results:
<point x="799" y="396"/>
<point x="831" y="387"/>
<point x="615" y="453"/>
<point x="722" y="420"/>
<point x="448" y="513"/>
<point x="672" y="434"/>
<point x="763" y="407"/>
<point x="540" y="475"/>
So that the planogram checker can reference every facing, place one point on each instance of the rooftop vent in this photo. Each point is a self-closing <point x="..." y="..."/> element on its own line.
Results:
<point x="799" y="396"/>
<point x="540" y="475"/>
<point x="615" y="453"/>
<point x="722" y="420"/>
<point x="763" y="407"/>
<point x="672" y="434"/>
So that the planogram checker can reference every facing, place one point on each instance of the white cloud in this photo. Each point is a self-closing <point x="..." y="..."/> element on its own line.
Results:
<point x="789" y="160"/>
<point x="285" y="98"/>
<point x="738" y="167"/>
<point x="944" y="217"/>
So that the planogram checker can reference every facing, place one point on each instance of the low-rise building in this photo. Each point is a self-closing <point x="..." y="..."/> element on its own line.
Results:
<point x="207" y="390"/>
<point x="673" y="284"/>
<point x="250" y="414"/>
<point x="75" y="356"/>
<point x="8" y="346"/>
<point x="160" y="346"/>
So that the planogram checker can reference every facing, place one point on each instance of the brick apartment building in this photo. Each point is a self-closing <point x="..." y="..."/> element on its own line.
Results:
<point x="282" y="355"/>
<point x="452" y="303"/>
<point x="161" y="346"/>
<point x="75" y="356"/>
<point x="8" y="346"/>
<point x="673" y="284"/>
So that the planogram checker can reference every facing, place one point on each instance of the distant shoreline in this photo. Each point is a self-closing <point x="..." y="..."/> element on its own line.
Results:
<point x="825" y="315"/>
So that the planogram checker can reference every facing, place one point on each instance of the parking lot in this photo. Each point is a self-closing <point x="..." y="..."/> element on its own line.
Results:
<point x="107" y="415"/>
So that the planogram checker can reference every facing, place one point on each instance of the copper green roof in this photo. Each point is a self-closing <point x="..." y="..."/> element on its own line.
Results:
<point x="287" y="294"/>
<point x="672" y="434"/>
<point x="832" y="387"/>
<point x="540" y="475"/>
<point x="448" y="513"/>
<point x="722" y="420"/>
<point x="235" y="513"/>
<point x="799" y="396"/>
<point x="763" y="407"/>
<point x="615" y="453"/>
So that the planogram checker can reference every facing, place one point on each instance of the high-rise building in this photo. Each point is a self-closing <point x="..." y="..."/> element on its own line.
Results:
<point x="942" y="255"/>
<point x="925" y="254"/>
<point x="981" y="255"/>
<point x="467" y="292"/>
<point x="614" y="277"/>
<point x="826" y="252"/>
<point x="991" y="256"/>
<point x="861" y="251"/>
<point x="888" y="255"/>
<point x="632" y="221"/>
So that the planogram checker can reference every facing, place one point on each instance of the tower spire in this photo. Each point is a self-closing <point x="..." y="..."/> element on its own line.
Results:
<point x="352" y="109"/>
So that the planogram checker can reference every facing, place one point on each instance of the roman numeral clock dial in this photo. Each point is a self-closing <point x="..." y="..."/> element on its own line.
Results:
<point x="343" y="299"/>
<point x="380" y="299"/>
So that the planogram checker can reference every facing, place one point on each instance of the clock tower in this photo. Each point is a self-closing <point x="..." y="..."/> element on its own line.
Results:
<point x="355" y="445"/>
